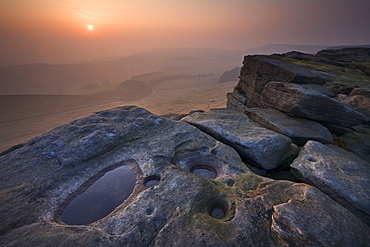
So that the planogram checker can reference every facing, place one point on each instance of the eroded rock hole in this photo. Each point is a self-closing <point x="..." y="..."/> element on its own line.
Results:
<point x="217" y="210"/>
<point x="151" y="181"/>
<point x="204" y="171"/>
<point x="149" y="211"/>
<point x="311" y="159"/>
<point x="101" y="198"/>
<point x="230" y="182"/>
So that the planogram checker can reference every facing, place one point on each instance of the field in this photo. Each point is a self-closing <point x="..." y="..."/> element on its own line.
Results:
<point x="26" y="116"/>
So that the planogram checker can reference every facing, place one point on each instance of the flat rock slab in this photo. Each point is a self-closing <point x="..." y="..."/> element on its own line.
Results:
<point x="181" y="206"/>
<point x="260" y="146"/>
<point x="344" y="179"/>
<point x="303" y="102"/>
<point x="298" y="129"/>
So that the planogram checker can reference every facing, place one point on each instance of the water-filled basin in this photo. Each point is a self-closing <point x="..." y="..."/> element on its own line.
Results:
<point x="101" y="198"/>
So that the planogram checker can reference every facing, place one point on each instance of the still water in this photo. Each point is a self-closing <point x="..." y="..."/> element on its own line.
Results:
<point x="101" y="198"/>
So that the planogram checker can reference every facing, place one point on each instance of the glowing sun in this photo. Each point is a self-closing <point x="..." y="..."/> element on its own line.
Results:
<point x="90" y="27"/>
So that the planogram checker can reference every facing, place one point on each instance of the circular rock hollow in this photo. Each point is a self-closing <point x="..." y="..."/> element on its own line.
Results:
<point x="311" y="159"/>
<point x="151" y="181"/>
<point x="217" y="210"/>
<point x="205" y="171"/>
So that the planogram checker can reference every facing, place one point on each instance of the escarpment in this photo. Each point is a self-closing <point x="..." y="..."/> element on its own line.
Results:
<point x="286" y="164"/>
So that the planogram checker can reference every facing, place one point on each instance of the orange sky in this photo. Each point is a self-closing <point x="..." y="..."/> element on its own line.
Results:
<point x="55" y="31"/>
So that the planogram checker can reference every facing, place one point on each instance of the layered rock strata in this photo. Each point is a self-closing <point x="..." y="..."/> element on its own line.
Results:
<point x="300" y="130"/>
<point x="314" y="109"/>
<point x="269" y="82"/>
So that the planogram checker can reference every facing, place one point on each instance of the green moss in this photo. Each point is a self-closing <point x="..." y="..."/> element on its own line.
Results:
<point x="223" y="230"/>
<point x="364" y="67"/>
<point x="346" y="77"/>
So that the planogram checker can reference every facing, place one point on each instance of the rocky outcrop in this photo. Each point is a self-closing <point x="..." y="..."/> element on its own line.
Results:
<point x="190" y="190"/>
<point x="341" y="177"/>
<point x="282" y="82"/>
<point x="322" y="98"/>
<point x="269" y="68"/>
<point x="259" y="70"/>
<point x="257" y="145"/>
<point x="298" y="129"/>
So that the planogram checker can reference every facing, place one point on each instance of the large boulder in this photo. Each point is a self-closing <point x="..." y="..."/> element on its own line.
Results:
<point x="181" y="187"/>
<point x="298" y="129"/>
<point x="259" y="70"/>
<point x="295" y="99"/>
<point x="342" y="177"/>
<point x="260" y="146"/>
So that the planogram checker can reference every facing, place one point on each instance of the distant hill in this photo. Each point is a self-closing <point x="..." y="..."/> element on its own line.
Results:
<point x="95" y="76"/>
<point x="76" y="78"/>
<point x="348" y="46"/>
<point x="230" y="75"/>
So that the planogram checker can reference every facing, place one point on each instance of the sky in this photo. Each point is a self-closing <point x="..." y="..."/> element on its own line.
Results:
<point x="56" y="31"/>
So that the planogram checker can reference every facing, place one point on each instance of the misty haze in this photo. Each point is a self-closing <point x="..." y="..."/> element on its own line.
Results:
<point x="38" y="97"/>
<point x="184" y="123"/>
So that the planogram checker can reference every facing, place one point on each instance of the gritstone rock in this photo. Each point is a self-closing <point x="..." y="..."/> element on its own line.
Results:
<point x="182" y="207"/>
<point x="258" y="145"/>
<point x="298" y="129"/>
<point x="294" y="99"/>
<point x="343" y="178"/>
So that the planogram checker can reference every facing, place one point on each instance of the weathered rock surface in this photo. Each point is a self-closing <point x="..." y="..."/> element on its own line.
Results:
<point x="319" y="89"/>
<point x="294" y="99"/>
<point x="326" y="77"/>
<point x="259" y="146"/>
<point x="274" y="69"/>
<point x="310" y="57"/>
<point x="259" y="70"/>
<point x="182" y="207"/>
<point x="237" y="101"/>
<point x="361" y="91"/>
<point x="356" y="142"/>
<point x="358" y="99"/>
<point x="344" y="179"/>
<point x="298" y="129"/>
